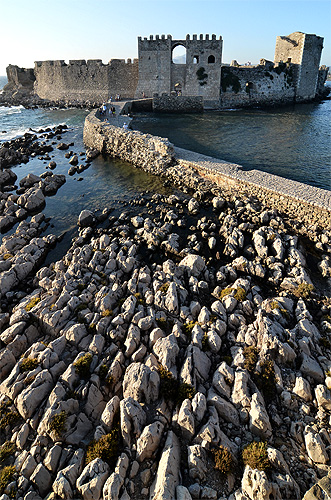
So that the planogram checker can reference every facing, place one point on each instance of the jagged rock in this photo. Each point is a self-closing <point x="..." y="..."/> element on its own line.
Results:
<point x="196" y="366"/>
<point x="323" y="397"/>
<point x="199" y="406"/>
<point x="223" y="375"/>
<point x="29" y="399"/>
<point x="149" y="440"/>
<point x="76" y="333"/>
<point x="86" y="219"/>
<point x="225" y="409"/>
<point x="7" y="361"/>
<point x="133" y="419"/>
<point x="302" y="388"/>
<point x="182" y="493"/>
<point x="42" y="479"/>
<point x="141" y="383"/>
<point x="171" y="299"/>
<point x="115" y="481"/>
<point x="95" y="403"/>
<point x="65" y="480"/>
<point x="185" y="420"/>
<point x="259" y="422"/>
<point x="80" y="427"/>
<point x="315" y="447"/>
<point x="256" y="486"/>
<point x="311" y="368"/>
<point x="108" y="414"/>
<point x="52" y="458"/>
<point x="92" y="479"/>
<point x="167" y="476"/>
<point x="193" y="264"/>
<point x="197" y="462"/>
<point x="166" y="350"/>
<point x="32" y="200"/>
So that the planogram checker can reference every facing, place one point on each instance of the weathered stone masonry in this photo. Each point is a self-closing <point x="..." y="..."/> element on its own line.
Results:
<point x="85" y="80"/>
<point x="294" y="76"/>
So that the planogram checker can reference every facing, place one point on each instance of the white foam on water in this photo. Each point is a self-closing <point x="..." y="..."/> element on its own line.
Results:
<point x="4" y="110"/>
<point x="12" y="134"/>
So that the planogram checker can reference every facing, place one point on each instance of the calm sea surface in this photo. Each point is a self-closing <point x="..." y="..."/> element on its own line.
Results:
<point x="293" y="142"/>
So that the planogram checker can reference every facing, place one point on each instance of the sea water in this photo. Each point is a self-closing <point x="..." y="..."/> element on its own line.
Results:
<point x="293" y="142"/>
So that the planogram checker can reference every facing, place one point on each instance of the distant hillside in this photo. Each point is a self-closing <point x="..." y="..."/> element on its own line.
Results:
<point x="180" y="59"/>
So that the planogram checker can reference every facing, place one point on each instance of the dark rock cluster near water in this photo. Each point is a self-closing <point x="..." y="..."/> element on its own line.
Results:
<point x="181" y="350"/>
<point x="26" y="98"/>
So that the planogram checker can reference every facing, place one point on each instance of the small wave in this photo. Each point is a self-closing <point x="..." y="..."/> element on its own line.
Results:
<point x="4" y="110"/>
<point x="13" y="134"/>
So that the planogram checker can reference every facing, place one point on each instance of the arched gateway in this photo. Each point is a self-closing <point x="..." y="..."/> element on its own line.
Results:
<point x="159" y="73"/>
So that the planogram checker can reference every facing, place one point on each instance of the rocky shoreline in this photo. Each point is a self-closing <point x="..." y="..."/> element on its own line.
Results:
<point x="149" y="359"/>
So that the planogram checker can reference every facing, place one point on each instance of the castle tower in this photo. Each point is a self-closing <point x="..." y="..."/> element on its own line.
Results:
<point x="304" y="52"/>
<point x="200" y="75"/>
<point x="154" y="56"/>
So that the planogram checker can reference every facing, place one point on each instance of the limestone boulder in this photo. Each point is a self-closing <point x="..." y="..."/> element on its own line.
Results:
<point x="108" y="414"/>
<point x="315" y="446"/>
<point x="323" y="396"/>
<point x="133" y="419"/>
<point x="32" y="200"/>
<point x="114" y="483"/>
<point x="7" y="361"/>
<point x="42" y="479"/>
<point x="149" y="440"/>
<point x="302" y="389"/>
<point x="31" y="397"/>
<point x="259" y="423"/>
<point x="92" y="479"/>
<point x="193" y="265"/>
<point x="141" y="383"/>
<point x="167" y="476"/>
<point x="311" y="368"/>
<point x="256" y="485"/>
<point x="166" y="350"/>
<point x="185" y="420"/>
<point x="225" y="409"/>
<point x="197" y="462"/>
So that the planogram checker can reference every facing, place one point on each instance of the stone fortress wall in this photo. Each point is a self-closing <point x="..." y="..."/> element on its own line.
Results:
<point x="294" y="76"/>
<point x="85" y="80"/>
<point x="304" y="52"/>
<point x="265" y="84"/>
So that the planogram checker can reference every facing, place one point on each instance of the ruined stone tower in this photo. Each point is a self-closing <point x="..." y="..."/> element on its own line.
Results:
<point x="199" y="76"/>
<point x="304" y="52"/>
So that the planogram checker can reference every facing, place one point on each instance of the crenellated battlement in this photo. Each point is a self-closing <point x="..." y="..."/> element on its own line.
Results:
<point x="293" y="76"/>
<point x="87" y="63"/>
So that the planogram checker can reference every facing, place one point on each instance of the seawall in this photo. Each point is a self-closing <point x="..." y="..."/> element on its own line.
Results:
<point x="305" y="203"/>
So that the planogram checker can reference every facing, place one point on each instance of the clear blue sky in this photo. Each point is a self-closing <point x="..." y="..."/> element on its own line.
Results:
<point x="32" y="30"/>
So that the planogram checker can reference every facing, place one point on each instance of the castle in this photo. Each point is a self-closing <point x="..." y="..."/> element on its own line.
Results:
<point x="201" y="82"/>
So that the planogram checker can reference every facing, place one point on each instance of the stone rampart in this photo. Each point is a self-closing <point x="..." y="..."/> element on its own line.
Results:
<point x="178" y="104"/>
<point x="153" y="154"/>
<point x="84" y="81"/>
<point x="19" y="77"/>
<point x="156" y="155"/>
<point x="265" y="84"/>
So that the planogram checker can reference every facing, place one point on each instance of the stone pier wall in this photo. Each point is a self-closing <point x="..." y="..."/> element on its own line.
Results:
<point x="156" y="155"/>
<point x="153" y="154"/>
